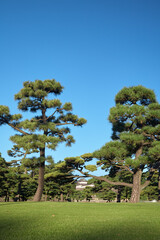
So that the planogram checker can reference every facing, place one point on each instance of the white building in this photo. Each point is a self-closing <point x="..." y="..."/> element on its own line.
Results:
<point x="82" y="184"/>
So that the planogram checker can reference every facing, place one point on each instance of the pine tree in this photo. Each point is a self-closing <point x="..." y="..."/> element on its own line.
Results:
<point x="136" y="129"/>
<point x="135" y="142"/>
<point x="42" y="131"/>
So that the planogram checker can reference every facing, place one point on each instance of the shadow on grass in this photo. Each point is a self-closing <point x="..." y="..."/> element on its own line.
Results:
<point x="70" y="221"/>
<point x="20" y="228"/>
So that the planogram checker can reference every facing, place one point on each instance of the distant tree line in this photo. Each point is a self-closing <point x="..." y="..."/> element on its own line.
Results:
<point x="131" y="161"/>
<point x="19" y="183"/>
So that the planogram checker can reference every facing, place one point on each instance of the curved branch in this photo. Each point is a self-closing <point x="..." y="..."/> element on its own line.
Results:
<point x="107" y="180"/>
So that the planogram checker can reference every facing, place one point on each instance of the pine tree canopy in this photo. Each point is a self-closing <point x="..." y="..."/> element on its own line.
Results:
<point x="136" y="128"/>
<point x="135" y="95"/>
<point x="42" y="130"/>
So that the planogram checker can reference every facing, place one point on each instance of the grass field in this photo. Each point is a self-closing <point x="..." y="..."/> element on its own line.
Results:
<point x="79" y="221"/>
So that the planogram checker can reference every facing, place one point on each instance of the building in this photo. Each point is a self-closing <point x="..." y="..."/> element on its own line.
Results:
<point x="82" y="184"/>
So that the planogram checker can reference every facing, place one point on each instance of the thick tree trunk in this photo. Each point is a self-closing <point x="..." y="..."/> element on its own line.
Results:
<point x="39" y="192"/>
<point x="136" y="189"/>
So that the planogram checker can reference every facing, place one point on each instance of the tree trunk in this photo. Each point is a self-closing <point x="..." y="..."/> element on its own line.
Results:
<point x="7" y="197"/>
<point x="62" y="200"/>
<point x="136" y="189"/>
<point x="39" y="192"/>
<point x="46" y="197"/>
<point x="119" y="194"/>
<point x="159" y="184"/>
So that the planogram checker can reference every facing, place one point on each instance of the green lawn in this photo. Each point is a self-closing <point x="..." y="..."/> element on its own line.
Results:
<point x="79" y="221"/>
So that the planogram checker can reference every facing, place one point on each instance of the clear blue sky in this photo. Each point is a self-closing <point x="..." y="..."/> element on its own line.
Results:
<point x="92" y="47"/>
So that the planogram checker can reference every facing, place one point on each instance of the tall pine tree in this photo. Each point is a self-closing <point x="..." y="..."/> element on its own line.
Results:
<point x="49" y="126"/>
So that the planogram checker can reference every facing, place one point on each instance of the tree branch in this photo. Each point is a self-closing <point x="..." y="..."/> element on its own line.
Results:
<point x="106" y="180"/>
<point x="147" y="182"/>
<point x="127" y="168"/>
<point x="65" y="123"/>
<point x="124" y="167"/>
<point x="53" y="113"/>
<point x="18" y="129"/>
<point x="25" y="154"/>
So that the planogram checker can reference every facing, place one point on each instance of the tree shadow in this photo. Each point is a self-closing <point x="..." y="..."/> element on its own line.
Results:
<point x="29" y="228"/>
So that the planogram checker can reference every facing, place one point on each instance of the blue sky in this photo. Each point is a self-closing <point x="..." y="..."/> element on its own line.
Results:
<point x="92" y="47"/>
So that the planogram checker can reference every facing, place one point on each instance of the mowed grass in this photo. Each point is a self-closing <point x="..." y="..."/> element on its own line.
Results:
<point x="79" y="221"/>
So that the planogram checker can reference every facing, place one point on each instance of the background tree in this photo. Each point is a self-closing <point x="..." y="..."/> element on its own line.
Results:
<point x="151" y="191"/>
<point x="25" y="185"/>
<point x="155" y="154"/>
<point x="42" y="130"/>
<point x="59" y="182"/>
<point x="15" y="182"/>
<point x="103" y="190"/>
<point x="4" y="171"/>
<point x="8" y="179"/>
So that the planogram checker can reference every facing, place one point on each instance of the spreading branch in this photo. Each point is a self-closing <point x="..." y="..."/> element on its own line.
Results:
<point x="106" y="180"/>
